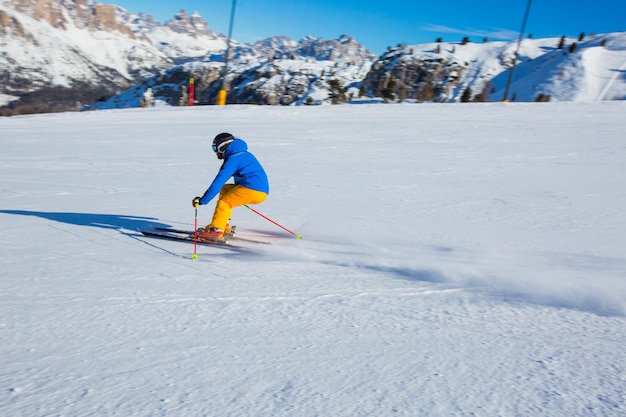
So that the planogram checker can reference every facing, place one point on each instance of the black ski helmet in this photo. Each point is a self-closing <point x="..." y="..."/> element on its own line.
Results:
<point x="221" y="142"/>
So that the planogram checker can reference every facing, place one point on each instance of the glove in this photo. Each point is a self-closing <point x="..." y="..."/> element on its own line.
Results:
<point x="196" y="202"/>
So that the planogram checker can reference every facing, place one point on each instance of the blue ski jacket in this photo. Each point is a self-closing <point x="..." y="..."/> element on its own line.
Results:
<point x="243" y="167"/>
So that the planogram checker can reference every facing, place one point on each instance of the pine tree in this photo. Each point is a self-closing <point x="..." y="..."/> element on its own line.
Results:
<point x="561" y="44"/>
<point x="485" y="95"/>
<point x="425" y="92"/>
<point x="388" y="92"/>
<point x="402" y="94"/>
<point x="542" y="98"/>
<point x="184" y="96"/>
<point x="467" y="95"/>
<point x="337" y="93"/>
<point x="479" y="98"/>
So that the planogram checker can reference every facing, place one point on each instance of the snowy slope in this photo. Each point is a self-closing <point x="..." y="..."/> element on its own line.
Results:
<point x="480" y="62"/>
<point x="182" y="46"/>
<point x="594" y="72"/>
<point x="605" y="67"/>
<point x="457" y="260"/>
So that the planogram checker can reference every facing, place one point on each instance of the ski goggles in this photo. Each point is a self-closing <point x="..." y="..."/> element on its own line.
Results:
<point x="219" y="148"/>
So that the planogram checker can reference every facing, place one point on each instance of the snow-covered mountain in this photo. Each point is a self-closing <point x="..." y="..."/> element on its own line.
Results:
<point x="594" y="71"/>
<point x="276" y="71"/>
<point x="85" y="44"/>
<point x="69" y="44"/>
<point x="584" y="70"/>
<point x="79" y="51"/>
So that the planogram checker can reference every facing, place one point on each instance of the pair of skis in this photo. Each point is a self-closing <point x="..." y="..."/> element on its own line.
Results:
<point x="169" y="233"/>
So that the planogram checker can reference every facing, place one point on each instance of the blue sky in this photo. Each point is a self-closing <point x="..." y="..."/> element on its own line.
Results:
<point x="379" y="25"/>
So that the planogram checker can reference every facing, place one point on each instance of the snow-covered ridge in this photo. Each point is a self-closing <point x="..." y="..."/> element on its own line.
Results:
<point x="62" y="43"/>
<point x="439" y="72"/>
<point x="66" y="43"/>
<point x="591" y="72"/>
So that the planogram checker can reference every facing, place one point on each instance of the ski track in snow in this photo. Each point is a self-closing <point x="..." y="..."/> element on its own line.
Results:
<point x="457" y="260"/>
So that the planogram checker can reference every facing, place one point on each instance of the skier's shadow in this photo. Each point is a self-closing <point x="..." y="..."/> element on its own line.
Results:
<point x="119" y="222"/>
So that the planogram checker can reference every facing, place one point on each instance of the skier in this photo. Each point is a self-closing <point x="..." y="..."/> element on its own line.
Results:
<point x="250" y="187"/>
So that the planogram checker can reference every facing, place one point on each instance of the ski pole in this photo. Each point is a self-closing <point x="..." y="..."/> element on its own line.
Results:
<point x="195" y="233"/>
<point x="272" y="221"/>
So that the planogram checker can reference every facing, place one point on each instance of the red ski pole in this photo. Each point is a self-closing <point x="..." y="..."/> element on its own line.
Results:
<point x="272" y="221"/>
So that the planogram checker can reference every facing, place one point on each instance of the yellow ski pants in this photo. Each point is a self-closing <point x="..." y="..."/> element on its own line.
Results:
<point x="232" y="195"/>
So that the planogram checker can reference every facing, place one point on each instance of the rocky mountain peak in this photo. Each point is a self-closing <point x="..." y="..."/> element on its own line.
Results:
<point x="62" y="14"/>
<point x="10" y="26"/>
<point x="345" y="49"/>
<point x="50" y="11"/>
<point x="193" y="25"/>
